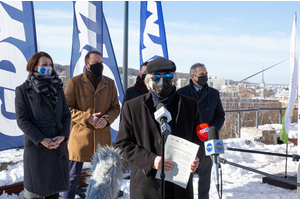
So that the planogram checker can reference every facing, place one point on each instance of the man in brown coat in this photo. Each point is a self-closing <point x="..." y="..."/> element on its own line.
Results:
<point x="93" y="102"/>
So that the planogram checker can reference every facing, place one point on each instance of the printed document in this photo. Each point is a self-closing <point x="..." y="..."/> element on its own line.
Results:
<point x="182" y="153"/>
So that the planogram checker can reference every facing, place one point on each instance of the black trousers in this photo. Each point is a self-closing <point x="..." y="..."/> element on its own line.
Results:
<point x="53" y="196"/>
<point x="75" y="172"/>
<point x="204" y="173"/>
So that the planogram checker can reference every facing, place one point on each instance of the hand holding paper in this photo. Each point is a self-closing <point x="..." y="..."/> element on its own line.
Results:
<point x="195" y="165"/>
<point x="158" y="163"/>
<point x="182" y="153"/>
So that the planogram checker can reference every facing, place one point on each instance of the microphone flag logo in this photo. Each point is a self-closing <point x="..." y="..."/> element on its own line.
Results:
<point x="202" y="131"/>
<point x="219" y="146"/>
<point x="152" y="32"/>
<point x="90" y="32"/>
<point x="17" y="45"/>
<point x="209" y="147"/>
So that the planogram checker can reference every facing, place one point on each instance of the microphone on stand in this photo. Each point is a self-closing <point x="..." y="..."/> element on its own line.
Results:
<point x="202" y="131"/>
<point x="214" y="147"/>
<point x="163" y="116"/>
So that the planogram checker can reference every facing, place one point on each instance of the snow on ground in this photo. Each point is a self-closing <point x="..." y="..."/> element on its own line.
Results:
<point x="238" y="183"/>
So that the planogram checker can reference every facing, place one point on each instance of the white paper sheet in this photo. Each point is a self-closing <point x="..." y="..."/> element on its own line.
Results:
<point x="182" y="153"/>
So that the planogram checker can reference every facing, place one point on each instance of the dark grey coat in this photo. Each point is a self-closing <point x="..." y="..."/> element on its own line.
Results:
<point x="140" y="141"/>
<point x="131" y="93"/>
<point x="46" y="171"/>
<point x="210" y="105"/>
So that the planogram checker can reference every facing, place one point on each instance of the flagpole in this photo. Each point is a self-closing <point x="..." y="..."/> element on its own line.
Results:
<point x="125" y="48"/>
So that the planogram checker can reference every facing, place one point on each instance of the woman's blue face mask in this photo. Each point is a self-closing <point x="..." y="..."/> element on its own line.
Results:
<point x="47" y="71"/>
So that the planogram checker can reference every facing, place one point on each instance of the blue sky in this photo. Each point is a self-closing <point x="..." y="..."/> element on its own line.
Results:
<point x="233" y="39"/>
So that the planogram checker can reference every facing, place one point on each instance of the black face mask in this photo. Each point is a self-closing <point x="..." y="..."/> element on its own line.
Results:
<point x="97" y="69"/>
<point x="143" y="76"/>
<point x="202" y="80"/>
<point x="162" y="88"/>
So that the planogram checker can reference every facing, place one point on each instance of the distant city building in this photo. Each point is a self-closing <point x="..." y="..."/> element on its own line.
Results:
<point x="227" y="87"/>
<point x="282" y="93"/>
<point x="285" y="102"/>
<point x="218" y="84"/>
<point x="231" y="103"/>
<point x="181" y="82"/>
<point x="131" y="81"/>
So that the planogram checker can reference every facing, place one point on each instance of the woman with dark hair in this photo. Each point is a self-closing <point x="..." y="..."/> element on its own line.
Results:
<point x="44" y="117"/>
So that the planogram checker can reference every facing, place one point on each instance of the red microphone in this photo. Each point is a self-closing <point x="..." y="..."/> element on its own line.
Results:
<point x="202" y="131"/>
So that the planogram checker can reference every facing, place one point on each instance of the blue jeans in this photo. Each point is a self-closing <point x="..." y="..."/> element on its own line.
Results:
<point x="75" y="172"/>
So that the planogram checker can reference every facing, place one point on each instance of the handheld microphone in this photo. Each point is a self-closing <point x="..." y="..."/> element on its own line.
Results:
<point x="202" y="131"/>
<point x="214" y="147"/>
<point x="163" y="116"/>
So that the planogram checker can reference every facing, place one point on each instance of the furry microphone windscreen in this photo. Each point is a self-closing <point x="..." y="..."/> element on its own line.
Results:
<point x="105" y="174"/>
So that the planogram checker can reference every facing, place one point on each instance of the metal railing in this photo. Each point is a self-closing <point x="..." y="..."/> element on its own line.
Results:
<point x="257" y="115"/>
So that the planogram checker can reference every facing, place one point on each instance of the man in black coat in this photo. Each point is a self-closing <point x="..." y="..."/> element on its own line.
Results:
<point x="211" y="112"/>
<point x="139" y="87"/>
<point x="139" y="136"/>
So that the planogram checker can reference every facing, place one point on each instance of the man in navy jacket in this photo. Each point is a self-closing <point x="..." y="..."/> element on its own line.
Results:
<point x="211" y="112"/>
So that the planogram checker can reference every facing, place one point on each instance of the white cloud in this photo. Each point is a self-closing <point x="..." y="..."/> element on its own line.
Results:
<point x="54" y="36"/>
<point x="53" y="15"/>
<point x="179" y="26"/>
<point x="54" y="33"/>
<point x="226" y="55"/>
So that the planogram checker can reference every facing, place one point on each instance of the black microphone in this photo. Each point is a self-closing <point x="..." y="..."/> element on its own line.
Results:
<point x="163" y="116"/>
<point x="213" y="133"/>
<point x="214" y="147"/>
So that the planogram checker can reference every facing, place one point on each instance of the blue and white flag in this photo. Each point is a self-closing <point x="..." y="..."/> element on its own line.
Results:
<point x="153" y="41"/>
<point x="90" y="32"/>
<point x="17" y="45"/>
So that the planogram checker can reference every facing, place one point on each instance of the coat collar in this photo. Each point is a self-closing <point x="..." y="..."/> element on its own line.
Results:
<point x="173" y="108"/>
<point x="87" y="83"/>
<point x="150" y="109"/>
<point x="26" y="86"/>
<point x="33" y="94"/>
<point x="192" y="90"/>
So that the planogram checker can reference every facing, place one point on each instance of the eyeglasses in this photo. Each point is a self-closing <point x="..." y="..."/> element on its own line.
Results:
<point x="167" y="76"/>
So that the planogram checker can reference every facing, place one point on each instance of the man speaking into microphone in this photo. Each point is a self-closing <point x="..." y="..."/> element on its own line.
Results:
<point x="211" y="112"/>
<point x="140" y="138"/>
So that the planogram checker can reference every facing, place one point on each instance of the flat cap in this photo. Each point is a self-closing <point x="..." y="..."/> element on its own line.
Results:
<point x="160" y="64"/>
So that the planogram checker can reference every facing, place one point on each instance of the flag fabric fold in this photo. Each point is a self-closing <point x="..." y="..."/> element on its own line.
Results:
<point x="153" y="41"/>
<point x="17" y="40"/>
<point x="288" y="114"/>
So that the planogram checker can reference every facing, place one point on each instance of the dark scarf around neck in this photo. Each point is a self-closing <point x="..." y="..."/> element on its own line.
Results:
<point x="140" y="84"/>
<point x="165" y="101"/>
<point x="95" y="80"/>
<point x="199" y="92"/>
<point x="46" y="85"/>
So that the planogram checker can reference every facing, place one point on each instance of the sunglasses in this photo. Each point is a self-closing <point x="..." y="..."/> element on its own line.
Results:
<point x="167" y="76"/>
